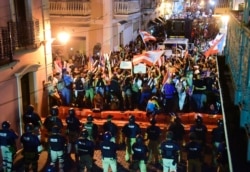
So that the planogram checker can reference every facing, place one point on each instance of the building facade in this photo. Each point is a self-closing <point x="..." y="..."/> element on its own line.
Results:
<point x="25" y="58"/>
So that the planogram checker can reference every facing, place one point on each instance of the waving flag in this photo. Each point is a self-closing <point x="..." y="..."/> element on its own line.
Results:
<point x="146" y="36"/>
<point x="214" y="45"/>
<point x="150" y="58"/>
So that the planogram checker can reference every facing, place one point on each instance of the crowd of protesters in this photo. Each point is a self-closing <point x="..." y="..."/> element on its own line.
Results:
<point x="182" y="83"/>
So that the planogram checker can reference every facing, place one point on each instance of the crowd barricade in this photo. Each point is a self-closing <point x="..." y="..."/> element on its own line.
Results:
<point x="122" y="117"/>
<point x="86" y="112"/>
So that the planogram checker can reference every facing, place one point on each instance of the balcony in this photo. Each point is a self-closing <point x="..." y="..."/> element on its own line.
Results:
<point x="222" y="7"/>
<point x="126" y="7"/>
<point x="69" y="8"/>
<point x="17" y="36"/>
<point x="24" y="34"/>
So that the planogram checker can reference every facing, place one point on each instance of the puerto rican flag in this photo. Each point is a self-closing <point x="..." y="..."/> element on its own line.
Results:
<point x="150" y="58"/>
<point x="146" y="36"/>
<point x="216" y="45"/>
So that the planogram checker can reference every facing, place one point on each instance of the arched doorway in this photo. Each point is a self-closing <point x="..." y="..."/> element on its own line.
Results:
<point x="26" y="85"/>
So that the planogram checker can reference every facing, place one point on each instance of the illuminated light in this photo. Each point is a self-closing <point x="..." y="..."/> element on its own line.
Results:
<point x="202" y="3"/>
<point x="212" y="2"/>
<point x="63" y="37"/>
<point x="225" y="18"/>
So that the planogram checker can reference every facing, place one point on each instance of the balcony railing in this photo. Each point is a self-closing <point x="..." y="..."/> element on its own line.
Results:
<point x="72" y="8"/>
<point x="24" y="34"/>
<point x="18" y="35"/>
<point x="126" y="7"/>
<point x="149" y="4"/>
<point x="222" y="4"/>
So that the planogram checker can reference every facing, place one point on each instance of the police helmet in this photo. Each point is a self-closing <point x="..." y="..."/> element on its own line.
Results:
<point x="139" y="138"/>
<point x="107" y="135"/>
<point x="192" y="136"/>
<point x="54" y="111"/>
<point x="169" y="135"/>
<point x="71" y="112"/>
<point x="30" y="108"/>
<point x="198" y="120"/>
<point x="6" y="125"/>
<point x="152" y="121"/>
<point x="132" y="118"/>
<point x="89" y="118"/>
<point x="29" y="127"/>
<point x="177" y="119"/>
<point x="55" y="129"/>
<point x="220" y="123"/>
<point x="50" y="168"/>
<point x="85" y="133"/>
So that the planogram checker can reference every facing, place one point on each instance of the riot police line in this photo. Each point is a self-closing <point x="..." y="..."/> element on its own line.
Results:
<point x="141" y="147"/>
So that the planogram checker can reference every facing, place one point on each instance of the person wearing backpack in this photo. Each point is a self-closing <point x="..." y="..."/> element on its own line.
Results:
<point x="79" y="90"/>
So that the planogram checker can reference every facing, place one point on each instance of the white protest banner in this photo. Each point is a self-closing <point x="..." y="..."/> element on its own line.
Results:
<point x="168" y="53"/>
<point x="140" y="68"/>
<point x="126" y="65"/>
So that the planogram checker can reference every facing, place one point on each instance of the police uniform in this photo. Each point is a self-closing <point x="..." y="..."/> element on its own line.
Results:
<point x="111" y="127"/>
<point x="32" y="117"/>
<point x="140" y="155"/>
<point x="153" y="134"/>
<point x="91" y="127"/>
<point x="169" y="152"/>
<point x="218" y="134"/>
<point x="73" y="128"/>
<point x="194" y="151"/>
<point x="8" y="146"/>
<point x="130" y="130"/>
<point x="30" y="142"/>
<point x="222" y="157"/>
<point x="200" y="130"/>
<point x="53" y="120"/>
<point x="178" y="130"/>
<point x="85" y="150"/>
<point x="108" y="150"/>
<point x="57" y="144"/>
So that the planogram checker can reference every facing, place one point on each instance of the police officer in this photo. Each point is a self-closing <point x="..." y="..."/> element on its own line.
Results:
<point x="222" y="157"/>
<point x="130" y="131"/>
<point x="85" y="151"/>
<point x="57" y="143"/>
<point x="73" y="128"/>
<point x="8" y="145"/>
<point x="108" y="150"/>
<point x="31" y="116"/>
<point x="140" y="155"/>
<point x="50" y="168"/>
<point x="194" y="153"/>
<point x="52" y="120"/>
<point x="200" y="130"/>
<point x="111" y="127"/>
<point x="170" y="153"/>
<point x="217" y="137"/>
<point x="218" y="134"/>
<point x="91" y="127"/>
<point x="178" y="130"/>
<point x="153" y="135"/>
<point x="30" y="142"/>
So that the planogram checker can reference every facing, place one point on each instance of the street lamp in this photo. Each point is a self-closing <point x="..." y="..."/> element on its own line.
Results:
<point x="63" y="37"/>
